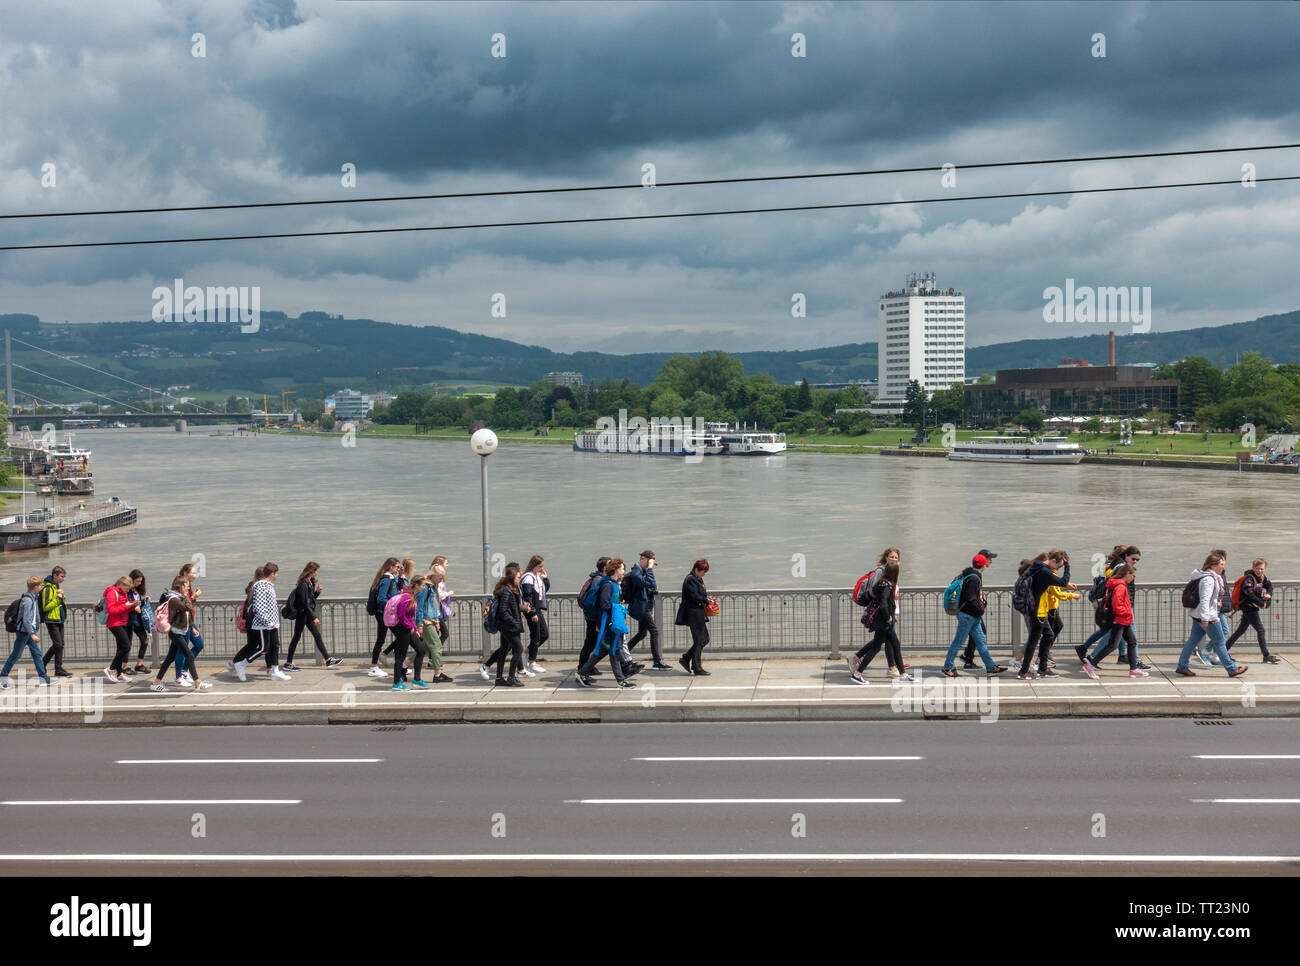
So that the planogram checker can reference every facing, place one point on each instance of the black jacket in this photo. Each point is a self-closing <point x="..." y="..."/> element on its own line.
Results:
<point x="510" y="618"/>
<point x="1043" y="578"/>
<point x="532" y="597"/>
<point x="883" y="594"/>
<point x="304" y="600"/>
<point x="694" y="599"/>
<point x="644" y="589"/>
<point x="1253" y="591"/>
<point x="971" y="599"/>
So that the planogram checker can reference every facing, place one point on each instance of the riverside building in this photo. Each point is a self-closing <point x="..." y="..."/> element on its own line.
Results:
<point x="922" y="337"/>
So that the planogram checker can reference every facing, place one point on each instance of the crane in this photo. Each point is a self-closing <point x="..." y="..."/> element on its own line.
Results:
<point x="287" y="392"/>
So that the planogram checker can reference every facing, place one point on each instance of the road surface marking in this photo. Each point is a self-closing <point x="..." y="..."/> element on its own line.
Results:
<point x="624" y="857"/>
<point x="733" y="801"/>
<point x="791" y="758"/>
<point x="1246" y="757"/>
<point x="164" y="801"/>
<point x="245" y="761"/>
<point x="1248" y="801"/>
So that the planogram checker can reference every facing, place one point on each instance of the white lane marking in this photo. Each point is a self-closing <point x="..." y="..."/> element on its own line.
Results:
<point x="623" y="857"/>
<point x="1246" y="757"/>
<point x="1247" y="801"/>
<point x="163" y="801"/>
<point x="791" y="758"/>
<point x="733" y="801"/>
<point x="245" y="761"/>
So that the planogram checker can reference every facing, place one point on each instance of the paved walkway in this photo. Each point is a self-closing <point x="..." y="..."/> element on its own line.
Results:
<point x="737" y="689"/>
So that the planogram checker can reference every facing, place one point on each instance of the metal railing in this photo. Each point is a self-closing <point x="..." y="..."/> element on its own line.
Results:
<point x="753" y="623"/>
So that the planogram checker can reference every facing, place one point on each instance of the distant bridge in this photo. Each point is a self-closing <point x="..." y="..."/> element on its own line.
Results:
<point x="149" y="419"/>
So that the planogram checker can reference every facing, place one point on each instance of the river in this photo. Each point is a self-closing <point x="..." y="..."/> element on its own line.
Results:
<point x="797" y="520"/>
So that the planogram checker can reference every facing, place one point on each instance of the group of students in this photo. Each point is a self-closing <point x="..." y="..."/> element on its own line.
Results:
<point x="416" y="610"/>
<point x="1042" y="585"/>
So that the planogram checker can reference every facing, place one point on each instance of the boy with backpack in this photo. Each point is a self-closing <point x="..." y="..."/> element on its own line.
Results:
<point x="1252" y="592"/>
<point x="54" y="613"/>
<point x="1032" y="599"/>
<point x="590" y="615"/>
<point x="23" y="621"/>
<point x="964" y="598"/>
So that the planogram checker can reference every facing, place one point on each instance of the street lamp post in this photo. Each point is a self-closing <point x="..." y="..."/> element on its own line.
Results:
<point x="484" y="443"/>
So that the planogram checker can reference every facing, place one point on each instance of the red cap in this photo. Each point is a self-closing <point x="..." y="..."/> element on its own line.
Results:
<point x="979" y="560"/>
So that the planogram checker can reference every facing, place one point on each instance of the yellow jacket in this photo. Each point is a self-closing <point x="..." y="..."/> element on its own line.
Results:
<point x="1052" y="598"/>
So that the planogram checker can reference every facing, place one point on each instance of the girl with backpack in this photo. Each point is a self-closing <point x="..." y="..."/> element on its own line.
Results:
<point x="1119" y="597"/>
<point x="401" y="609"/>
<point x="1121" y="554"/>
<point x="887" y="556"/>
<point x="1042" y="577"/>
<point x="879" y="618"/>
<point x="263" y="627"/>
<point x="611" y="613"/>
<point x="510" y="623"/>
<point x="304" y="607"/>
<point x="381" y="589"/>
<point x="533" y="585"/>
<point x="180" y="615"/>
<point x="403" y="581"/>
<point x="119" y="606"/>
<point x="1201" y="598"/>
<point x="135" y="623"/>
<point x="192" y="636"/>
<point x="692" y="612"/>
<point x="1252" y="592"/>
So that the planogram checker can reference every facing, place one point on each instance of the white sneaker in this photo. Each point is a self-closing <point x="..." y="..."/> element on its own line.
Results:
<point x="277" y="675"/>
<point x="483" y="672"/>
<point x="241" y="669"/>
<point x="203" y="685"/>
<point x="376" y="672"/>
<point x="535" y="667"/>
<point x="184" y="682"/>
<point x="527" y="673"/>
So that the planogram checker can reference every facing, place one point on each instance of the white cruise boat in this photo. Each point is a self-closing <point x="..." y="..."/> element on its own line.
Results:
<point x="743" y="442"/>
<point x="1017" y="449"/>
<point x="653" y="440"/>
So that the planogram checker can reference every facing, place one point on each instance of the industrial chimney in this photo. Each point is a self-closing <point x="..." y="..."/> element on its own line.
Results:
<point x="1110" y="358"/>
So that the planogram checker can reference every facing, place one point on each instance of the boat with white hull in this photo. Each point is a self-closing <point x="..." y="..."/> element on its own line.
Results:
<point x="1017" y="449"/>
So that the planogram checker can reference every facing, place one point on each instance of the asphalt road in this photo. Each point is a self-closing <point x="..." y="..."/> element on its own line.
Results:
<point x="924" y="798"/>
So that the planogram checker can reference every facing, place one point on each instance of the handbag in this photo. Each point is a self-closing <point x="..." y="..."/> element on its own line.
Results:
<point x="712" y="608"/>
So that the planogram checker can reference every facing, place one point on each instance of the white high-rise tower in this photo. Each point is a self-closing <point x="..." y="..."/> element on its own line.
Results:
<point x="922" y="337"/>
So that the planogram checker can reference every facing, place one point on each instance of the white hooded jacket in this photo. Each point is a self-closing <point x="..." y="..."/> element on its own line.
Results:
<point x="1210" y="590"/>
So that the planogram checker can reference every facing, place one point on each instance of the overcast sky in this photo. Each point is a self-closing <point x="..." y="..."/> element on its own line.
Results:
<point x="587" y="93"/>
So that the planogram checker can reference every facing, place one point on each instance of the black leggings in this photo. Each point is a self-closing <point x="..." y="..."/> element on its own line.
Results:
<point x="588" y="642"/>
<point x="260" y="641"/>
<point x="1040" y="638"/>
<point x="139" y="631"/>
<point x="299" y="625"/>
<point x="538" y="634"/>
<point x="380" y="634"/>
<point x="1116" y="632"/>
<point x="513" y="644"/>
<point x="1249" y="618"/>
<point x="403" y="641"/>
<point x="123" y="648"/>
<point x="699" y="641"/>
<point x="178" y="643"/>
<point x="889" y="641"/>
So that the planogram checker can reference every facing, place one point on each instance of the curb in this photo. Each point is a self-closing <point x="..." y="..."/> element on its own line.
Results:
<point x="1008" y="709"/>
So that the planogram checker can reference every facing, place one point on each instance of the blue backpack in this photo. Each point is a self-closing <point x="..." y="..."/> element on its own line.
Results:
<point x="952" y="593"/>
<point x="490" y="612"/>
<point x="590" y="599"/>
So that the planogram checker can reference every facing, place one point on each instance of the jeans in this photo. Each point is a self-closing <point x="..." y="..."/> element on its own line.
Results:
<point x="24" y="640"/>
<point x="1217" y="641"/>
<point x="183" y="663"/>
<point x="972" y="627"/>
<point x="1249" y="619"/>
<point x="646" y="625"/>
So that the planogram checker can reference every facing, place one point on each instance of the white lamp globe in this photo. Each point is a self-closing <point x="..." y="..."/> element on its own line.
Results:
<point x="483" y="442"/>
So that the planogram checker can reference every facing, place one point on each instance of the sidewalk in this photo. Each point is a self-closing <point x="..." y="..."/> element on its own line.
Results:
<point x="737" y="690"/>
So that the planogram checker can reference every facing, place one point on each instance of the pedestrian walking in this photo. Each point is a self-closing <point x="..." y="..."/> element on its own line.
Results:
<point x="118" y="605"/>
<point x="139" y="622"/>
<point x="590" y="616"/>
<point x="429" y="624"/>
<point x="1201" y="597"/>
<point x="26" y="637"/>
<point x="533" y="585"/>
<point x="401" y="610"/>
<point x="54" y="615"/>
<point x="180" y="614"/>
<point x="403" y="581"/>
<point x="970" y="603"/>
<point x="611" y="627"/>
<point x="968" y="652"/>
<point x="1040" y="577"/>
<point x="264" y="628"/>
<point x="640" y="590"/>
<point x="1117" y="605"/>
<point x="510" y="623"/>
<point x="193" y="636"/>
<point x="303" y="608"/>
<point x="1121" y="554"/>
<point x="381" y="589"/>
<point x="692" y="612"/>
<point x="1253" y="592"/>
<point x="878" y="617"/>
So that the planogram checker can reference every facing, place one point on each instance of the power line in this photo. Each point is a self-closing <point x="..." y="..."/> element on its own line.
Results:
<point x="613" y="218"/>
<point x="105" y="372"/>
<point x="639" y="187"/>
<point x="115" y="402"/>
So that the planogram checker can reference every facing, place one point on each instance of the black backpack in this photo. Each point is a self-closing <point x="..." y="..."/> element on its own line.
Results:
<point x="490" y="616"/>
<point x="1192" y="594"/>
<point x="1022" y="596"/>
<point x="11" y="616"/>
<point x="1098" y="588"/>
<point x="372" y="602"/>
<point x="1105" y="613"/>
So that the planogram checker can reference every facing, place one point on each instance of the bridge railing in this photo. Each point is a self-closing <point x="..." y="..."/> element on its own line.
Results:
<point x="753" y="623"/>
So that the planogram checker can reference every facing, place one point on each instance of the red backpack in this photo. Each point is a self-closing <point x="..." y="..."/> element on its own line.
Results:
<point x="861" y="601"/>
<point x="1236" y="592"/>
